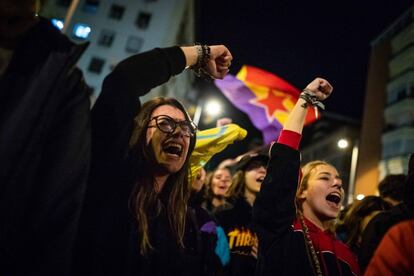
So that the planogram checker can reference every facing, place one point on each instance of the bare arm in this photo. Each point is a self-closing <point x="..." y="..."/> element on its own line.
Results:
<point x="322" y="89"/>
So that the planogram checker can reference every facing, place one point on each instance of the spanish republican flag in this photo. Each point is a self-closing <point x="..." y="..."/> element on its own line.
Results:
<point x="264" y="97"/>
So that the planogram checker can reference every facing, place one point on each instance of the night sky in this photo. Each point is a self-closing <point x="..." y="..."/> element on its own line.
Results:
<point x="298" y="40"/>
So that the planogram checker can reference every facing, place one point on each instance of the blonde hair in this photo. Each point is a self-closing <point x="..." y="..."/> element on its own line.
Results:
<point x="307" y="171"/>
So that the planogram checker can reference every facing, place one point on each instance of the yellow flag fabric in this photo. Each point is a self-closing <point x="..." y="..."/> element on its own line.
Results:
<point x="210" y="142"/>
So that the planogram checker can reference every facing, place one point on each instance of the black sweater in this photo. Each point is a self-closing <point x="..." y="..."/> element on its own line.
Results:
<point x="281" y="245"/>
<point x="108" y="240"/>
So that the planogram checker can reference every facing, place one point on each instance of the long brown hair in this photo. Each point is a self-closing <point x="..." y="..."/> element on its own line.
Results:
<point x="355" y="215"/>
<point x="144" y="200"/>
<point x="238" y="184"/>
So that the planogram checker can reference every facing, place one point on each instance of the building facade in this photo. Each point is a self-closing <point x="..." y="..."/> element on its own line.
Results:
<point x="117" y="29"/>
<point x="387" y="135"/>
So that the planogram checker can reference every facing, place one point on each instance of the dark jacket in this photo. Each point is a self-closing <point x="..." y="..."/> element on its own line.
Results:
<point x="282" y="248"/>
<point x="381" y="223"/>
<point x="237" y="223"/>
<point x="108" y="239"/>
<point x="44" y="153"/>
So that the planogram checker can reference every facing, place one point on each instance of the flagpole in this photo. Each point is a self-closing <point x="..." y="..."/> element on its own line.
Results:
<point x="69" y="15"/>
<point x="197" y="113"/>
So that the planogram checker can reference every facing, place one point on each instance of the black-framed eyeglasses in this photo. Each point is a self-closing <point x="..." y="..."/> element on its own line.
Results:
<point x="168" y="125"/>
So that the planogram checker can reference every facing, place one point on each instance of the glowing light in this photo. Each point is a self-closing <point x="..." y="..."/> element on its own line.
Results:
<point x="360" y="197"/>
<point x="343" y="144"/>
<point x="81" y="31"/>
<point x="213" y="108"/>
<point x="57" y="23"/>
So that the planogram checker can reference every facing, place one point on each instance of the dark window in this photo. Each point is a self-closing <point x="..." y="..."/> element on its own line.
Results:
<point x="143" y="20"/>
<point x="63" y="3"/>
<point x="134" y="44"/>
<point x="106" y="38"/>
<point x="91" y="6"/>
<point x="116" y="12"/>
<point x="96" y="65"/>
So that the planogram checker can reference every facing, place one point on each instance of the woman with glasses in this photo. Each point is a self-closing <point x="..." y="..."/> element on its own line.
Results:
<point x="295" y="209"/>
<point x="136" y="219"/>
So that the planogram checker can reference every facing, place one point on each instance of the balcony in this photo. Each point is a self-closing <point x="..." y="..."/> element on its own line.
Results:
<point x="404" y="38"/>
<point x="398" y="142"/>
<point x="402" y="62"/>
<point x="401" y="112"/>
<point x="395" y="165"/>
<point x="402" y="84"/>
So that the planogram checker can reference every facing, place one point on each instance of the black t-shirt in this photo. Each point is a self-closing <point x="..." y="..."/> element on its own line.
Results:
<point x="238" y="226"/>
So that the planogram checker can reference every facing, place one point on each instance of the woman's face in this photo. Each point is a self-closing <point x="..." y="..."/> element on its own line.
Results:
<point x="220" y="182"/>
<point x="254" y="178"/>
<point x="324" y="194"/>
<point x="170" y="149"/>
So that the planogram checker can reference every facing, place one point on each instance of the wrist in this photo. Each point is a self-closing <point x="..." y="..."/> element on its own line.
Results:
<point x="191" y="55"/>
<point x="199" y="66"/>
<point x="302" y="103"/>
<point x="309" y="98"/>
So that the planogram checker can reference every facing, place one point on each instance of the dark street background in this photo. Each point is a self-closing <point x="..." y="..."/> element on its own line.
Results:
<point x="298" y="40"/>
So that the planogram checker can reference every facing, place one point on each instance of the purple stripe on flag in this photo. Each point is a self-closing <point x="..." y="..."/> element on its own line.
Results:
<point x="240" y="95"/>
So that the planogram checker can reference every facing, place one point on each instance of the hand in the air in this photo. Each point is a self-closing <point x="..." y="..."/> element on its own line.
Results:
<point x="219" y="62"/>
<point x="321" y="88"/>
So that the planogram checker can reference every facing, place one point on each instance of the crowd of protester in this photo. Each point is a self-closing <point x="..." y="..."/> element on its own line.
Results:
<point x="110" y="191"/>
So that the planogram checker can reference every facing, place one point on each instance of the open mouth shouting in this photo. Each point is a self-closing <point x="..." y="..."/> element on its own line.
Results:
<point x="334" y="199"/>
<point x="173" y="149"/>
<point x="260" y="179"/>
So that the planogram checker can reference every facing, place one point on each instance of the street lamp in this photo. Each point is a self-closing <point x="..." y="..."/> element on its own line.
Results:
<point x="360" y="197"/>
<point x="212" y="108"/>
<point x="343" y="144"/>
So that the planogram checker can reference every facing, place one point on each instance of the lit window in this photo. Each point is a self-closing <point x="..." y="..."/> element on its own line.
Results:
<point x="90" y="6"/>
<point x="57" y="23"/>
<point x="96" y="65"/>
<point x="116" y="12"/>
<point x="81" y="31"/>
<point x="143" y="20"/>
<point x="134" y="44"/>
<point x="106" y="38"/>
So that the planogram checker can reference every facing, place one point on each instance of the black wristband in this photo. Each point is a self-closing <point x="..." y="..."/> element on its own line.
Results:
<point x="311" y="99"/>
<point x="203" y="56"/>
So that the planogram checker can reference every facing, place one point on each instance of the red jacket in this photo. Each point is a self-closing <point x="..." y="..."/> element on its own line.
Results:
<point x="394" y="255"/>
